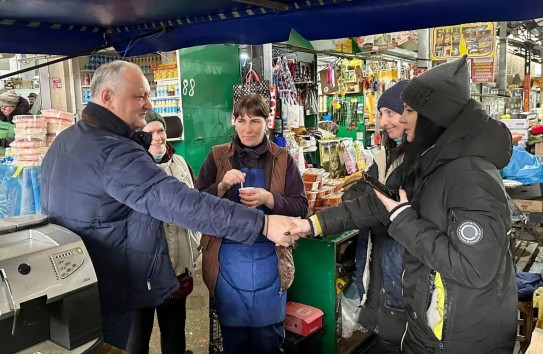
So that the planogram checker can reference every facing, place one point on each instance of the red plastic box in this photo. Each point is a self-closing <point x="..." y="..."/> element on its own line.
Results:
<point x="302" y="319"/>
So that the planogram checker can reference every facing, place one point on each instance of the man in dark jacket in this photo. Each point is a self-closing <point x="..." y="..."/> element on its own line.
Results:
<point x="99" y="181"/>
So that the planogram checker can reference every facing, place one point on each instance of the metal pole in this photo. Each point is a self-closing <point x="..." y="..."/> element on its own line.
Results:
<point x="502" y="65"/>
<point x="527" y="77"/>
<point x="423" y="60"/>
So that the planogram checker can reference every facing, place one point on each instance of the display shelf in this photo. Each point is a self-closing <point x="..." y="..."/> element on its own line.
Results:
<point x="83" y="73"/>
<point x="164" y="98"/>
<point x="172" y="79"/>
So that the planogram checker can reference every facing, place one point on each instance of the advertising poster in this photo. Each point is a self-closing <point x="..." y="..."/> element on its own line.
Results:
<point x="482" y="70"/>
<point x="477" y="40"/>
<point x="385" y="41"/>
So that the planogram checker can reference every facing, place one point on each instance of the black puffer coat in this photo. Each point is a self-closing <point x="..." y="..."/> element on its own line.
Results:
<point x="457" y="231"/>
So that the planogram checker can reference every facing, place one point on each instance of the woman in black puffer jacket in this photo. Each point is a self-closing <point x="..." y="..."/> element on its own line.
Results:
<point x="452" y="219"/>
<point x="459" y="281"/>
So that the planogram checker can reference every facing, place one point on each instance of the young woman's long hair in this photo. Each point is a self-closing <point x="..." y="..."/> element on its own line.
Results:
<point x="393" y="148"/>
<point x="426" y="135"/>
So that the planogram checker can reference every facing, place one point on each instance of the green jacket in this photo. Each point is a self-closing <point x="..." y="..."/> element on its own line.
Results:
<point x="7" y="134"/>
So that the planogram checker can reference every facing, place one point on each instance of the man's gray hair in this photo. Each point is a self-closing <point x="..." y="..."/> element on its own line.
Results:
<point x="111" y="75"/>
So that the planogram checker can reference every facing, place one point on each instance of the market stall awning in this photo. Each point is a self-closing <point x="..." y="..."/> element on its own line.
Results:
<point x="69" y="27"/>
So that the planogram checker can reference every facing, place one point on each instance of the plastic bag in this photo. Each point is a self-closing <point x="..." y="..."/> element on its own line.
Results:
<point x="349" y="156"/>
<point x="523" y="167"/>
<point x="350" y="300"/>
<point x="19" y="195"/>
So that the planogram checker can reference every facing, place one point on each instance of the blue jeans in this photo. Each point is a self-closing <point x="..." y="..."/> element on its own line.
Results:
<point x="116" y="327"/>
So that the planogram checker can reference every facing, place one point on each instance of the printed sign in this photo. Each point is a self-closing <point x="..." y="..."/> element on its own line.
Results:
<point x="385" y="41"/>
<point x="482" y="70"/>
<point x="477" y="40"/>
<point x="56" y="82"/>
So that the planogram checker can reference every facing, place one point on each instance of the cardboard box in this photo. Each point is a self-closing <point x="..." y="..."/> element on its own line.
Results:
<point x="532" y="191"/>
<point x="529" y="206"/>
<point x="522" y="132"/>
<point x="538" y="150"/>
<point x="302" y="319"/>
<point x="536" y="343"/>
<point x="516" y="123"/>
<point x="528" y="115"/>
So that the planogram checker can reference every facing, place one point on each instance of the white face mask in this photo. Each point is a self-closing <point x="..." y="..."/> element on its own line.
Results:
<point x="158" y="157"/>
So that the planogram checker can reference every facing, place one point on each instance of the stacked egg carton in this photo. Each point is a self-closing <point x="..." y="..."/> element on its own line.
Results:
<point x="30" y="144"/>
<point x="57" y="121"/>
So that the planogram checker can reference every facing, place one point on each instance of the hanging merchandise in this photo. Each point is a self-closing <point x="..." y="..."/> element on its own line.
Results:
<point x="253" y="85"/>
<point x="329" y="80"/>
<point x="285" y="83"/>
<point x="349" y="156"/>
<point x="311" y="101"/>
<point x="270" y="121"/>
<point x="261" y="87"/>
<point x="284" y="110"/>
<point x="287" y="92"/>
<point x="294" y="113"/>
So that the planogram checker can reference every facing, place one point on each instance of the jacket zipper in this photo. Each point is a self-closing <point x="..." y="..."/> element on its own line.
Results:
<point x="155" y="258"/>
<point x="403" y="336"/>
<point x="443" y="330"/>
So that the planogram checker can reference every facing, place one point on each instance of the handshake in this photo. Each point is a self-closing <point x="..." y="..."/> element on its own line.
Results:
<point x="285" y="230"/>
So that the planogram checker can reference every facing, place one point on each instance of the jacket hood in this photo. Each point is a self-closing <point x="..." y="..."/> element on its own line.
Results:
<point x="473" y="134"/>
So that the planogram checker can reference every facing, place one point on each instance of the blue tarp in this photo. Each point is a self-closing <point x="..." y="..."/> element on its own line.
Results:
<point x="70" y="27"/>
<point x="19" y="195"/>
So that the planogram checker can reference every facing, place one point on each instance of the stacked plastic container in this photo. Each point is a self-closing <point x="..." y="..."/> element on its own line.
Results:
<point x="57" y="121"/>
<point x="30" y="144"/>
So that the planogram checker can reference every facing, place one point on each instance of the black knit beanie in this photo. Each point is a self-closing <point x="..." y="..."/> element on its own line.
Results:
<point x="151" y="116"/>
<point x="392" y="97"/>
<point x="441" y="93"/>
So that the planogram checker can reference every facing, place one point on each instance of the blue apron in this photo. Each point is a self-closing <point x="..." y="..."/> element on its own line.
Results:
<point x="248" y="287"/>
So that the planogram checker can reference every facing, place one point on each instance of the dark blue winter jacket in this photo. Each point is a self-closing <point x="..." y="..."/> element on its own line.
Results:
<point x="100" y="182"/>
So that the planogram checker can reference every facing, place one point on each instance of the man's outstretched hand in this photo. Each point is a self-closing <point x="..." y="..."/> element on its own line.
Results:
<point x="281" y="230"/>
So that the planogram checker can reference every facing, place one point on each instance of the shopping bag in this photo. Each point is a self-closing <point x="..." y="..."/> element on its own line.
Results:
<point x="252" y="85"/>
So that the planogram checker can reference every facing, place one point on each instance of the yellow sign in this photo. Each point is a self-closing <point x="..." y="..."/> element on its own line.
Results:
<point x="347" y="45"/>
<point x="477" y="40"/>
